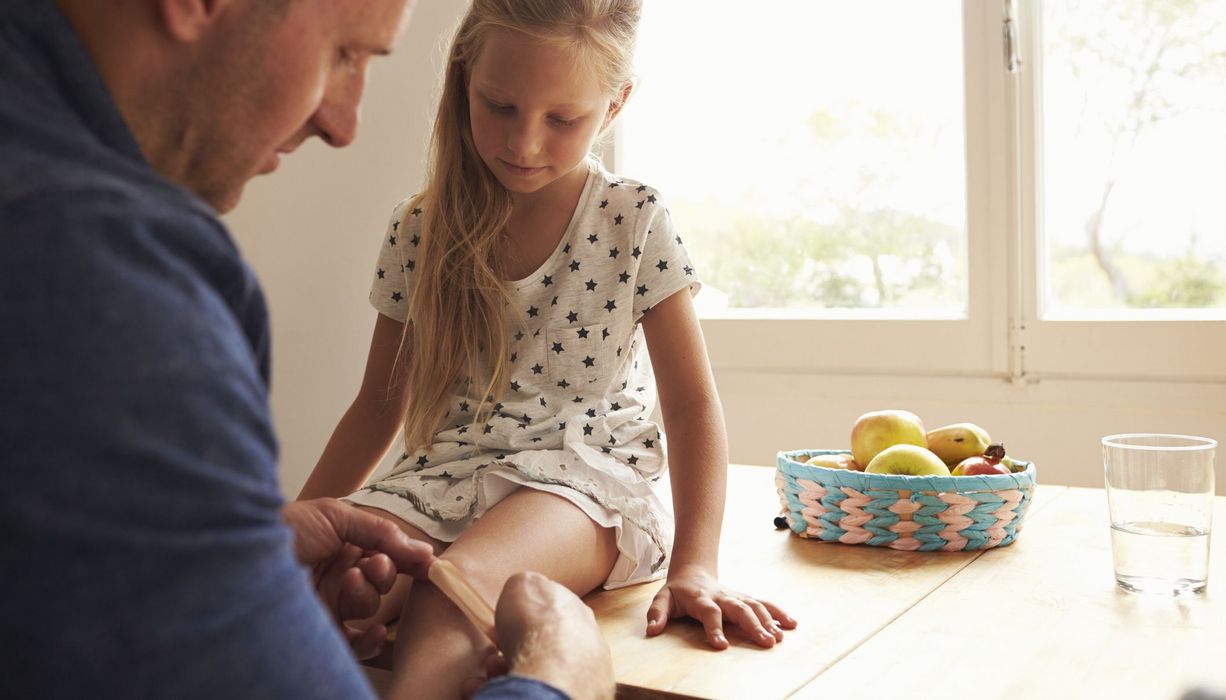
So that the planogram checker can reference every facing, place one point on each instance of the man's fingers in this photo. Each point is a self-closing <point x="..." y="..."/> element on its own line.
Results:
<point x="379" y="570"/>
<point x="330" y="577"/>
<point x="356" y="597"/>
<point x="366" y="644"/>
<point x="470" y="686"/>
<point x="496" y="665"/>
<point x="375" y="534"/>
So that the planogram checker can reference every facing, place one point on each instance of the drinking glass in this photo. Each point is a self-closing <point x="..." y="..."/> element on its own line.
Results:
<point x="1160" y="495"/>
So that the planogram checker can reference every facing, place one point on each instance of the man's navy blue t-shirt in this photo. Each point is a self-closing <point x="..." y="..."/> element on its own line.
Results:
<point x="143" y="554"/>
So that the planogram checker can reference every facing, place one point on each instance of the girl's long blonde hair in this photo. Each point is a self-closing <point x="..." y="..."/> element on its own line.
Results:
<point x="456" y="331"/>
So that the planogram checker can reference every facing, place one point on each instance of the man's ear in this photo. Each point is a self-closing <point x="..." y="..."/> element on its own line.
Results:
<point x="187" y="20"/>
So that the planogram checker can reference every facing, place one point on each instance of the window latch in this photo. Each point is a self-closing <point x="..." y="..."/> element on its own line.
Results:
<point x="1009" y="29"/>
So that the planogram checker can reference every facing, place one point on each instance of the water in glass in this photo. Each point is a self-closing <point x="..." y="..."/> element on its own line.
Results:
<point x="1160" y="557"/>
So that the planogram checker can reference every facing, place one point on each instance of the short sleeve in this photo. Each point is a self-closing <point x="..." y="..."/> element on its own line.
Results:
<point x="389" y="291"/>
<point x="664" y="266"/>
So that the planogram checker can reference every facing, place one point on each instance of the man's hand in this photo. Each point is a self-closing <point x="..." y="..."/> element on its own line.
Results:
<point x="547" y="633"/>
<point x="354" y="558"/>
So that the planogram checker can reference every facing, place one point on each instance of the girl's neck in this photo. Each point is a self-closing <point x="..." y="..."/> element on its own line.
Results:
<point x="538" y="223"/>
<point x="560" y="195"/>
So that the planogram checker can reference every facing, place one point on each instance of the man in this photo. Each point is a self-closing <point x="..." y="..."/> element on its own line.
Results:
<point x="147" y="550"/>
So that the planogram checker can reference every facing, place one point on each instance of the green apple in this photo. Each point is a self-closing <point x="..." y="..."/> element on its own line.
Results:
<point x="911" y="460"/>
<point x="877" y="430"/>
<point x="834" y="461"/>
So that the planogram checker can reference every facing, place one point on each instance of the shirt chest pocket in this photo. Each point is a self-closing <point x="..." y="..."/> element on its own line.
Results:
<point x="578" y="358"/>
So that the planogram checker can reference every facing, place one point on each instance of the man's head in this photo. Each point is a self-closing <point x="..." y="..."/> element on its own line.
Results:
<point x="216" y="90"/>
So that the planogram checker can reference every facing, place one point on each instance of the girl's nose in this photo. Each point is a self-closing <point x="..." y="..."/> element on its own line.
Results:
<point x="523" y="138"/>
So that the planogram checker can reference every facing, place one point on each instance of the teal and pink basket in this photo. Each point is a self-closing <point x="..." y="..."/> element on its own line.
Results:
<point x="915" y="513"/>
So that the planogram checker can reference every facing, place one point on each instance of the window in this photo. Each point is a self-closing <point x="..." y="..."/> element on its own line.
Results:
<point x="816" y="154"/>
<point x="1134" y="155"/>
<point x="984" y="188"/>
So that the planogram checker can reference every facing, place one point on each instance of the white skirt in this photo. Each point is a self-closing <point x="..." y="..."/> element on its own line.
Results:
<point x="445" y="498"/>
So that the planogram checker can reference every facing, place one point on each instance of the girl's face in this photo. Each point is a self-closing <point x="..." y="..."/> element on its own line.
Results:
<point x="534" y="115"/>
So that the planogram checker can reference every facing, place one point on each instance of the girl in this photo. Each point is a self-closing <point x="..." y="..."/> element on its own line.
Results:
<point x="525" y="296"/>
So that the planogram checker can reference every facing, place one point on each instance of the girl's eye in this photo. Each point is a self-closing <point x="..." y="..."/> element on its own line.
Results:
<point x="559" y="121"/>
<point x="497" y="108"/>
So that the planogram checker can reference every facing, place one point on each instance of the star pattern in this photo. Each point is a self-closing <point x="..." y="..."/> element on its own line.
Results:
<point x="574" y="343"/>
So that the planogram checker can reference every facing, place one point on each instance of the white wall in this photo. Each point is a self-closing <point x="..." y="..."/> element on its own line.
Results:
<point x="312" y="231"/>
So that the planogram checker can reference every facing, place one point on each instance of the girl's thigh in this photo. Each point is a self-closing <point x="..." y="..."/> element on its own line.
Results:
<point x="407" y="528"/>
<point x="532" y="530"/>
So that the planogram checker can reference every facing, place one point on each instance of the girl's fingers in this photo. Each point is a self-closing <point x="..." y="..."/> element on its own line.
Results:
<point x="712" y="619"/>
<point x="785" y="620"/>
<point x="760" y="620"/>
<point x="744" y="617"/>
<point x="659" y="611"/>
<point x="764" y="617"/>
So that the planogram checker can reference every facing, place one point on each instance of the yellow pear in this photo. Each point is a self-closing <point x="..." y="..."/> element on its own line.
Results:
<point x="954" y="443"/>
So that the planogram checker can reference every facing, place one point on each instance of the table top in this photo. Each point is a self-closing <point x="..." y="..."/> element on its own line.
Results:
<point x="1042" y="616"/>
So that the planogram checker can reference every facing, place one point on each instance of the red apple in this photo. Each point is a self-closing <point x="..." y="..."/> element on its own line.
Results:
<point x="979" y="466"/>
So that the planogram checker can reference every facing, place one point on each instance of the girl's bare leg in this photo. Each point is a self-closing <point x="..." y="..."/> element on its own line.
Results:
<point x="437" y="649"/>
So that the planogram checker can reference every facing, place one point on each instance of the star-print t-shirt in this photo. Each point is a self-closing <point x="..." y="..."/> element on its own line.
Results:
<point x="576" y="410"/>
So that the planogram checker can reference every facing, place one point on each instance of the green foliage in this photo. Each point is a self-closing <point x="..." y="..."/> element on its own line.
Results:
<point x="1181" y="283"/>
<point x="863" y="259"/>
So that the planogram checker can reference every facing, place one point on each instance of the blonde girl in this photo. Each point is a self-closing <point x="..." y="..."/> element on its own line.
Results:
<point x="524" y="298"/>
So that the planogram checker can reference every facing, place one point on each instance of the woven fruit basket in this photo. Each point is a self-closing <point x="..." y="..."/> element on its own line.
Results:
<point x="915" y="513"/>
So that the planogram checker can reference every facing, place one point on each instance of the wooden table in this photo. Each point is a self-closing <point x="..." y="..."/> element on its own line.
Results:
<point x="1039" y="618"/>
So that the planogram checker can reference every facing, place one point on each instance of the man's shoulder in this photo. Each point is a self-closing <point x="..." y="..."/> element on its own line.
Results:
<point x="80" y="214"/>
<point x="37" y="189"/>
<point x="93" y="236"/>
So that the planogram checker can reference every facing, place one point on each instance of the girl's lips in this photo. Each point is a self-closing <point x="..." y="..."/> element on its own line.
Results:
<point x="519" y="169"/>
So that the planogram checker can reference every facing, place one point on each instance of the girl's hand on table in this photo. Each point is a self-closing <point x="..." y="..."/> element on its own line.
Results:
<point x="694" y="592"/>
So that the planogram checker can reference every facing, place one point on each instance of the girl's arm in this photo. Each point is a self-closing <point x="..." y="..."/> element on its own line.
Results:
<point x="367" y="429"/>
<point x="698" y="465"/>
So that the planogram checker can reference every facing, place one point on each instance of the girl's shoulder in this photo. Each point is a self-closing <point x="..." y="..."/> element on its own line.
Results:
<point x="624" y="193"/>
<point x="406" y="215"/>
<point x="409" y="206"/>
